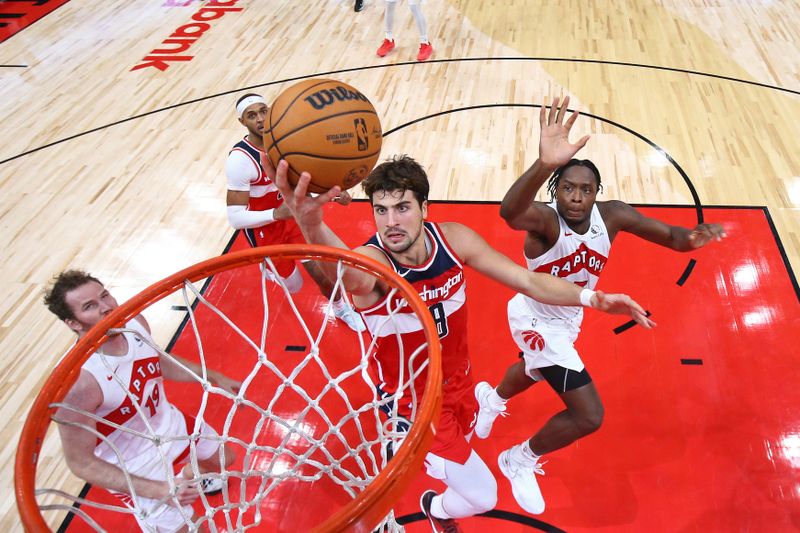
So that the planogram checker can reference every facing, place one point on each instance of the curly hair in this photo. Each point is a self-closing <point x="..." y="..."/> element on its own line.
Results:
<point x="400" y="173"/>
<point x="55" y="296"/>
<point x="552" y="183"/>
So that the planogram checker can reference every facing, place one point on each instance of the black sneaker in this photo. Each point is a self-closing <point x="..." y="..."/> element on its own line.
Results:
<point x="438" y="525"/>
<point x="359" y="6"/>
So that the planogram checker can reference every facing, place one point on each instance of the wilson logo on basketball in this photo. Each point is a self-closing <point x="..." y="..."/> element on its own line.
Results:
<point x="533" y="339"/>
<point x="326" y="97"/>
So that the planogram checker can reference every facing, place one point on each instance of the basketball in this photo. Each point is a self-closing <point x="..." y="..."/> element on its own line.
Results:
<point x="326" y="128"/>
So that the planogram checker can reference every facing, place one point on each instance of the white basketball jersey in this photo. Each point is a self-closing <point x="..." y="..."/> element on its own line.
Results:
<point x="140" y="374"/>
<point x="576" y="257"/>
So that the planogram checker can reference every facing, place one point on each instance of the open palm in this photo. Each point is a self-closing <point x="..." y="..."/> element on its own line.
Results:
<point x="555" y="149"/>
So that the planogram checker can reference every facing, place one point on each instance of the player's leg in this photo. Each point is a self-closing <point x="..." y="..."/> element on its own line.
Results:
<point x="425" y="48"/>
<point x="583" y="415"/>
<point x="388" y="20"/>
<point x="471" y="490"/>
<point x="341" y="309"/>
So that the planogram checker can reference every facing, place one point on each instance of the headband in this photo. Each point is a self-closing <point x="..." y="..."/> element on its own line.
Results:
<point x="247" y="102"/>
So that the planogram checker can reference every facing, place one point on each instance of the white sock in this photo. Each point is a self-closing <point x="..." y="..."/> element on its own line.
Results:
<point x="527" y="453"/>
<point x="495" y="400"/>
<point x="388" y="19"/>
<point x="294" y="282"/>
<point x="422" y="26"/>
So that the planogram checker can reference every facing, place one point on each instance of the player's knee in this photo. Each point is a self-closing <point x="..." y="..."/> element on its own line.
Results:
<point x="591" y="421"/>
<point x="486" y="499"/>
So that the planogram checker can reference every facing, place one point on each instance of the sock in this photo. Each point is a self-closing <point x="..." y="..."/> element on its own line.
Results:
<point x="527" y="453"/>
<point x="422" y="26"/>
<point x="437" y="509"/>
<point x="294" y="282"/>
<point x="389" y="19"/>
<point x="496" y="401"/>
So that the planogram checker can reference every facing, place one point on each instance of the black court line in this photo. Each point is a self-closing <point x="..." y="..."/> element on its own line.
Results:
<point x="295" y="348"/>
<point x="628" y="325"/>
<point x="401" y="64"/>
<point x="13" y="66"/>
<point x="782" y="251"/>
<point x="506" y="516"/>
<point x="686" y="272"/>
<point x="70" y="515"/>
<point x="691" y="361"/>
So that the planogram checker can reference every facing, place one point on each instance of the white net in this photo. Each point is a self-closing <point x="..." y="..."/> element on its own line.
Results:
<point x="311" y="426"/>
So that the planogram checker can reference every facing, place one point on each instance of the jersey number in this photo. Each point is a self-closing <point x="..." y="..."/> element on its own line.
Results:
<point x="153" y="401"/>
<point x="439" y="318"/>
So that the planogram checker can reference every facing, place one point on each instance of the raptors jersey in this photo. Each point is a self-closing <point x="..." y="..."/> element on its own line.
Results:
<point x="140" y="373"/>
<point x="441" y="285"/>
<point x="578" y="258"/>
<point x="263" y="193"/>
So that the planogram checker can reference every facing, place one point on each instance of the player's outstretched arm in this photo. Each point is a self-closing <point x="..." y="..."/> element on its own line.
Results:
<point x="653" y="230"/>
<point x="555" y="150"/>
<point x="308" y="213"/>
<point x="477" y="253"/>
<point x="78" y="444"/>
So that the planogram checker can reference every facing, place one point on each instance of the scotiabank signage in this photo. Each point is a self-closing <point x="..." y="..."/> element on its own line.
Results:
<point x="173" y="49"/>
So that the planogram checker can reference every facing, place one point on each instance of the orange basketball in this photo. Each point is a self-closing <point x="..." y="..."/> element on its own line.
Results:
<point x="326" y="128"/>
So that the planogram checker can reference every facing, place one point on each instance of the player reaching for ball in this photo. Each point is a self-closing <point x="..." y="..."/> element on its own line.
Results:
<point x="424" y="253"/>
<point x="256" y="206"/>
<point x="569" y="238"/>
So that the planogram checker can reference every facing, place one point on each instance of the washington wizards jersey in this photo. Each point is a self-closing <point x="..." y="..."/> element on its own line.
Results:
<point x="576" y="257"/>
<point x="441" y="284"/>
<point x="264" y="193"/>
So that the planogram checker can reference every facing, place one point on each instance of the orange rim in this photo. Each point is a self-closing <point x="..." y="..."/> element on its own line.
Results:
<point x="363" y="512"/>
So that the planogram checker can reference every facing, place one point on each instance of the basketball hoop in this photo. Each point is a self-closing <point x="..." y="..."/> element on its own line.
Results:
<point x="372" y="484"/>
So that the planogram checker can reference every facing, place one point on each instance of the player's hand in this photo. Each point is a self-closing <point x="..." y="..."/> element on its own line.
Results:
<point x="307" y="210"/>
<point x="621" y="304"/>
<point x="268" y="168"/>
<point x="555" y="149"/>
<point x="187" y="493"/>
<point x="224" y="382"/>
<point x="702" y="234"/>
<point x="344" y="198"/>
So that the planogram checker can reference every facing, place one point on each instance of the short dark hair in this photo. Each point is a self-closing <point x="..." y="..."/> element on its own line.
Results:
<point x="400" y="173"/>
<point x="55" y="296"/>
<point x="552" y="184"/>
<point x="245" y="96"/>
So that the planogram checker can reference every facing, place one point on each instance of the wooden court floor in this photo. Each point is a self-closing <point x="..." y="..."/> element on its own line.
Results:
<point x="119" y="169"/>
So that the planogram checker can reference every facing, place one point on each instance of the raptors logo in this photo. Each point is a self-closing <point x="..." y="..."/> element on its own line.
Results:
<point x="533" y="339"/>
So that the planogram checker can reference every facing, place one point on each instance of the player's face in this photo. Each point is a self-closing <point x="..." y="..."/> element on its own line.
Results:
<point x="254" y="117"/>
<point x="90" y="303"/>
<point x="576" y="193"/>
<point x="399" y="217"/>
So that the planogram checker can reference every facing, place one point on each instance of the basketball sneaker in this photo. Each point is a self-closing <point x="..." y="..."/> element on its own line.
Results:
<point x="438" y="525"/>
<point x="386" y="47"/>
<point x="358" y="6"/>
<point x="211" y="485"/>
<point x="348" y="315"/>
<point x="521" y="472"/>
<point x="425" y="51"/>
<point x="487" y="412"/>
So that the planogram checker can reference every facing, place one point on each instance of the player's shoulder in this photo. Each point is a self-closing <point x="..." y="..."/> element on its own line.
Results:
<point x="611" y="208"/>
<point x="373" y="252"/>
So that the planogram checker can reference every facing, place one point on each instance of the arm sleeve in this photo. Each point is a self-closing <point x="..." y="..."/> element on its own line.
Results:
<point x="240" y="171"/>
<point x="240" y="218"/>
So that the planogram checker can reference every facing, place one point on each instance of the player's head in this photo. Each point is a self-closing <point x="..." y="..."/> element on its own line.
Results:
<point x="251" y="109"/>
<point x="574" y="187"/>
<point x="79" y="299"/>
<point x="398" y="191"/>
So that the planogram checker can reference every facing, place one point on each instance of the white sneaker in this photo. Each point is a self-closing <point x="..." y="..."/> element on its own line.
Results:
<point x="211" y="485"/>
<point x="348" y="315"/>
<point x="487" y="412"/>
<point x="522" y="475"/>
